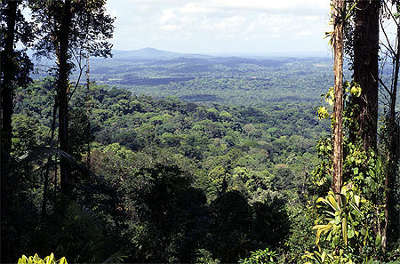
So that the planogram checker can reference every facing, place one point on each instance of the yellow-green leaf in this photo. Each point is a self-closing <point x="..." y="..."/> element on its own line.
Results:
<point x="344" y="230"/>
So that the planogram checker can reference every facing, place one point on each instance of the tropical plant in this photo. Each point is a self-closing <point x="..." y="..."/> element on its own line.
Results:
<point x="37" y="260"/>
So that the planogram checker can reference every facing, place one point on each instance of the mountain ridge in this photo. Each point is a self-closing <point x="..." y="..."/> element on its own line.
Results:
<point x="153" y="54"/>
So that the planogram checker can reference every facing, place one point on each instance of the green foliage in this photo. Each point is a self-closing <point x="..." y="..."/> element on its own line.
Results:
<point x="301" y="222"/>
<point x="322" y="257"/>
<point x="37" y="260"/>
<point x="28" y="134"/>
<point x="265" y="256"/>
<point x="165" y="175"/>
<point x="344" y="226"/>
<point x="234" y="81"/>
<point x="343" y="232"/>
<point x="205" y="257"/>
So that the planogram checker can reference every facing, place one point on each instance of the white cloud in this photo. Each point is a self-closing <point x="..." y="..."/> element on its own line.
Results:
<point x="271" y="4"/>
<point x="196" y="8"/>
<point x="230" y="24"/>
<point x="167" y="15"/>
<point x="213" y="24"/>
<point x="304" y="33"/>
<point x="170" y="27"/>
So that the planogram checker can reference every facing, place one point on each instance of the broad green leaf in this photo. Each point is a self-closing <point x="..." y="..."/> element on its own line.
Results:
<point x="350" y="233"/>
<point x="332" y="202"/>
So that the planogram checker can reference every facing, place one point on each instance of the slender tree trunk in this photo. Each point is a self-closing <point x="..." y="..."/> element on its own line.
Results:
<point x="64" y="69"/>
<point x="49" y="161"/>
<point x="391" y="228"/>
<point x="88" y="110"/>
<point x="8" y="69"/>
<point x="366" y="47"/>
<point x="338" y="107"/>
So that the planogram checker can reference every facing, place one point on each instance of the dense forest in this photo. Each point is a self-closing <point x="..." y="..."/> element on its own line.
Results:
<point x="223" y="80"/>
<point x="163" y="157"/>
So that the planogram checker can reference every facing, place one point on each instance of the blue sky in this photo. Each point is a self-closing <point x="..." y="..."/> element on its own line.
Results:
<point x="222" y="26"/>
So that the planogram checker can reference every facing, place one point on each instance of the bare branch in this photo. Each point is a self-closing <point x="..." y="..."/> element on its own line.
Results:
<point x="387" y="39"/>
<point x="389" y="11"/>
<point x="384" y="86"/>
<point x="77" y="82"/>
<point x="78" y="60"/>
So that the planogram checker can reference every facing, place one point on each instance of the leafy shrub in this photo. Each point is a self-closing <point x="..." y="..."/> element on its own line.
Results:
<point x="265" y="256"/>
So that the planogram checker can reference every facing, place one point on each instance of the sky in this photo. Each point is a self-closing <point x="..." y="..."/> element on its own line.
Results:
<point x="260" y="27"/>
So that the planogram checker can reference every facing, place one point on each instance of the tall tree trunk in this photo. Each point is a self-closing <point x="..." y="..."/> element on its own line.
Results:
<point x="366" y="47"/>
<point x="8" y="69"/>
<point x="338" y="107"/>
<point x="64" y="69"/>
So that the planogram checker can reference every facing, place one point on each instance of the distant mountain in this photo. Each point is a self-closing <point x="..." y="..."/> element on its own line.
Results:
<point x="152" y="54"/>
